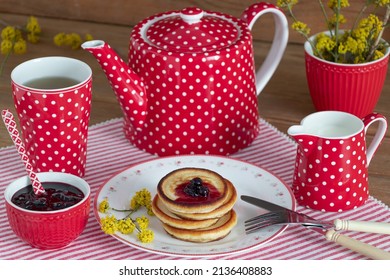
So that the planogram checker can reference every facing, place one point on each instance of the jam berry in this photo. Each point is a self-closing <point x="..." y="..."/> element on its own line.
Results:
<point x="196" y="188"/>
<point x="40" y="203"/>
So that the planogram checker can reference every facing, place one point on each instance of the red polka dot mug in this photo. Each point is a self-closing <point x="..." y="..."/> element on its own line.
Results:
<point x="190" y="85"/>
<point x="332" y="159"/>
<point x="52" y="97"/>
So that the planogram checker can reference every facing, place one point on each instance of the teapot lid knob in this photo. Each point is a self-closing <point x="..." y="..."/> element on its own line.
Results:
<point x="191" y="15"/>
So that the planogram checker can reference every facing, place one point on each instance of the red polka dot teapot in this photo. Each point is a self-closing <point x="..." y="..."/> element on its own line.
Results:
<point x="190" y="85"/>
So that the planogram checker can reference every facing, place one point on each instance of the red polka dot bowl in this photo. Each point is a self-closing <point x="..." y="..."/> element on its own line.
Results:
<point x="190" y="85"/>
<point x="53" y="229"/>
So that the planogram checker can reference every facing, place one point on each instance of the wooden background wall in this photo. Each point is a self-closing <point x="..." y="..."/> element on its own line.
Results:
<point x="130" y="12"/>
<point x="100" y="18"/>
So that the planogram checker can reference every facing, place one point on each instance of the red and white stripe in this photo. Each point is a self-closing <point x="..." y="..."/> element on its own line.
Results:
<point x="272" y="150"/>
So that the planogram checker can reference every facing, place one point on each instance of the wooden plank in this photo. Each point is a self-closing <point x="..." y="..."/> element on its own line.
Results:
<point x="276" y="101"/>
<point x="130" y="12"/>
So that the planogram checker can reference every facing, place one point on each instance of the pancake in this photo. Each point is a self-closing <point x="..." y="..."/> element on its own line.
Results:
<point x="217" y="213"/>
<point x="215" y="232"/>
<point x="165" y="216"/>
<point x="195" y="205"/>
<point x="170" y="191"/>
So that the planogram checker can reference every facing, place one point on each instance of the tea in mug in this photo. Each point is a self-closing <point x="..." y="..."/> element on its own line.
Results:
<point x="51" y="83"/>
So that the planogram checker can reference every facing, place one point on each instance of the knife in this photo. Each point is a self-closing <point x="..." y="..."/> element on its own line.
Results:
<point x="263" y="203"/>
<point x="334" y="236"/>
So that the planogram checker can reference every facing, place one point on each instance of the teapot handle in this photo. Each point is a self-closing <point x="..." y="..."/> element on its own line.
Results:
<point x="250" y="15"/>
<point x="379" y="135"/>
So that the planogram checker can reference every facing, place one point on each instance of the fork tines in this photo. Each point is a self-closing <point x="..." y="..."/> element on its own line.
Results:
<point x="261" y="221"/>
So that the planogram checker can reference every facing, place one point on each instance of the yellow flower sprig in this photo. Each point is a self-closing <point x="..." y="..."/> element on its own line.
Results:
<point x="110" y="224"/>
<point x="361" y="43"/>
<point x="14" y="38"/>
<point x="72" y="40"/>
<point x="12" y="41"/>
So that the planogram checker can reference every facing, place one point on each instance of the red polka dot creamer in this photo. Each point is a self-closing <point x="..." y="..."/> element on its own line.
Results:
<point x="332" y="159"/>
<point x="54" y="114"/>
<point x="190" y="85"/>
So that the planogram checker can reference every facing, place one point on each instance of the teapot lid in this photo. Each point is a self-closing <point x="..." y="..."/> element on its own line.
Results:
<point x="193" y="30"/>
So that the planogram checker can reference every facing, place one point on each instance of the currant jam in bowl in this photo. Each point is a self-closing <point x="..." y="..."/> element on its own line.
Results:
<point x="52" y="220"/>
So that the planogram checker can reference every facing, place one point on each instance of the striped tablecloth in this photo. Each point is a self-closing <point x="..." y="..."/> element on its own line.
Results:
<point x="272" y="150"/>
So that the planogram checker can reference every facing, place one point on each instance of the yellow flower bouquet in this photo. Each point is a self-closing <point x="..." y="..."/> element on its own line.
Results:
<point x="361" y="43"/>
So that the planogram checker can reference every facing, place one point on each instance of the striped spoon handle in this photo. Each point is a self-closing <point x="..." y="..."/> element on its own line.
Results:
<point x="10" y="124"/>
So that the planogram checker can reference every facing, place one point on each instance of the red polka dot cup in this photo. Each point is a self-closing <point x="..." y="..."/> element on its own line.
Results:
<point x="332" y="159"/>
<point x="190" y="85"/>
<point x="48" y="229"/>
<point x="52" y="97"/>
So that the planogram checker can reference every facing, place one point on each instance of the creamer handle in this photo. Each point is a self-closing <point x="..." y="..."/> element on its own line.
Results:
<point x="380" y="133"/>
<point x="250" y="15"/>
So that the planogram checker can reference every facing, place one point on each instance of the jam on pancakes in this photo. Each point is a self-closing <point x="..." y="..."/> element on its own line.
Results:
<point x="196" y="190"/>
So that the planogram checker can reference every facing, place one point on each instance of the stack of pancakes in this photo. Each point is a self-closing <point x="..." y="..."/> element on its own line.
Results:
<point x="193" y="218"/>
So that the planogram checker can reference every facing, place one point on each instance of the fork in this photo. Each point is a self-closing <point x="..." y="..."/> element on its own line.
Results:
<point x="291" y="217"/>
<point x="283" y="217"/>
<point x="326" y="228"/>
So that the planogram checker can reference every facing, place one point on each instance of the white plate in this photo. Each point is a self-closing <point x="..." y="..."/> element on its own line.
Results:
<point x="248" y="179"/>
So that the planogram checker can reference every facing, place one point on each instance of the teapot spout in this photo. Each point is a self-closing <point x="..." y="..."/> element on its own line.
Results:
<point x="127" y="85"/>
